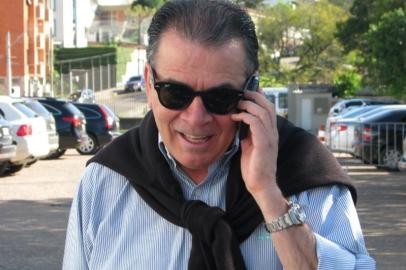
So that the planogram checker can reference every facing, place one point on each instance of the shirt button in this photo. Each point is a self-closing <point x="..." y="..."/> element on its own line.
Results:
<point x="198" y="193"/>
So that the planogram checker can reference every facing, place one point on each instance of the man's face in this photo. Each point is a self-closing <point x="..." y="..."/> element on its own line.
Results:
<point x="195" y="137"/>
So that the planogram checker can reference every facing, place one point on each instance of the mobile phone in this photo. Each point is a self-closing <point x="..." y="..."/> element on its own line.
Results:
<point x="251" y="85"/>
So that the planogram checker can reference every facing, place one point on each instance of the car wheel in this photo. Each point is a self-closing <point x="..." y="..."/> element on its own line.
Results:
<point x="3" y="168"/>
<point x="15" y="168"/>
<point x="88" y="147"/>
<point x="57" y="154"/>
<point x="390" y="158"/>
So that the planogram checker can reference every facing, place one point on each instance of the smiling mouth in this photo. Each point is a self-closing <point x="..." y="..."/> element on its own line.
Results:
<point x="195" y="139"/>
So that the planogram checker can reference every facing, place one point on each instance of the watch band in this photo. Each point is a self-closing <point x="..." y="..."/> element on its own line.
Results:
<point x="294" y="216"/>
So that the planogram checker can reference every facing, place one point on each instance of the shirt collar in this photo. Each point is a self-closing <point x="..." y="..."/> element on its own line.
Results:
<point x="213" y="168"/>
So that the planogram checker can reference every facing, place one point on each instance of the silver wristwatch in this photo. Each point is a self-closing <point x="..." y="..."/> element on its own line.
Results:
<point x="294" y="216"/>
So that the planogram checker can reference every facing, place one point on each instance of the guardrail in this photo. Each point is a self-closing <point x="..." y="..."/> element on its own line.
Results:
<point x="380" y="144"/>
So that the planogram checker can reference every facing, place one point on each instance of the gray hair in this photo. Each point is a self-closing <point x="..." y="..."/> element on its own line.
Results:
<point x="209" y="22"/>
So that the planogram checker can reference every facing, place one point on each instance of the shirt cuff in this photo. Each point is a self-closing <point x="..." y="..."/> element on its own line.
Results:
<point x="332" y="256"/>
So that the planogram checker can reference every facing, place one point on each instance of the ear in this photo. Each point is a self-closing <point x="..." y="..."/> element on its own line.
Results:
<point x="148" y="84"/>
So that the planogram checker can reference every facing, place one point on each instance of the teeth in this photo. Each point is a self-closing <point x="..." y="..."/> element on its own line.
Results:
<point x="195" y="138"/>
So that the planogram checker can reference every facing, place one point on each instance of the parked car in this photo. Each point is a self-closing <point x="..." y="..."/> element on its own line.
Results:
<point x="70" y="124"/>
<point x="101" y="127"/>
<point x="279" y="97"/>
<point x="7" y="148"/>
<point x="135" y="83"/>
<point x="379" y="137"/>
<point x="28" y="130"/>
<point x="53" y="137"/>
<point x="343" y="105"/>
<point x="339" y="130"/>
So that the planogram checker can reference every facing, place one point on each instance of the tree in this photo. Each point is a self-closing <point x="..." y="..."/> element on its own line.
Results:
<point x="147" y="3"/>
<point x="249" y="3"/>
<point x="376" y="32"/>
<point x="387" y="58"/>
<point x="305" y="32"/>
<point x="273" y="31"/>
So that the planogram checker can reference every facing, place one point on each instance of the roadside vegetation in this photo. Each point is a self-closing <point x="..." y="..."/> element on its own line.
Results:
<point x="358" y="46"/>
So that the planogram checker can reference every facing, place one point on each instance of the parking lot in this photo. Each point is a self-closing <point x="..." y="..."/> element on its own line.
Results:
<point x="34" y="207"/>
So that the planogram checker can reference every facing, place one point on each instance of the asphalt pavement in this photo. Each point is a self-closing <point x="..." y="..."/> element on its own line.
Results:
<point x="35" y="202"/>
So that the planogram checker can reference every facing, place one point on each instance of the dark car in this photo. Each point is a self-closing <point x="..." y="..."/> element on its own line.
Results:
<point x="102" y="126"/>
<point x="40" y="109"/>
<point x="70" y="124"/>
<point x="342" y="105"/>
<point x="7" y="148"/>
<point x="379" y="137"/>
<point x="134" y="83"/>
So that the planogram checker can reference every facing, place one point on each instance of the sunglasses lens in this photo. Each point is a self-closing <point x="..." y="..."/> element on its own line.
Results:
<point x="222" y="101"/>
<point x="174" y="96"/>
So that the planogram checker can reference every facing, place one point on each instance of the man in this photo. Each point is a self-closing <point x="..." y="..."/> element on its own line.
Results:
<point x="182" y="191"/>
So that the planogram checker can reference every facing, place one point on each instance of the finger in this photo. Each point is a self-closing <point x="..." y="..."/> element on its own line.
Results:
<point x="256" y="110"/>
<point x="260" y="133"/>
<point x="262" y="101"/>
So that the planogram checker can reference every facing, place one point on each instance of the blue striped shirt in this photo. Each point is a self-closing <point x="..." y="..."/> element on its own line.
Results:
<point x="111" y="227"/>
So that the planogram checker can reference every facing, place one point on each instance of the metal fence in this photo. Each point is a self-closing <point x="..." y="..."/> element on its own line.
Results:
<point x="100" y="75"/>
<point x="380" y="144"/>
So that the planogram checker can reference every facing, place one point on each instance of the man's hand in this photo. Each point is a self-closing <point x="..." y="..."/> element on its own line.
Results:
<point x="296" y="246"/>
<point x="259" y="150"/>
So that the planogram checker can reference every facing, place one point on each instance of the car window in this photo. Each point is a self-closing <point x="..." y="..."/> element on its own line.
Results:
<point x="52" y="109"/>
<point x="353" y="103"/>
<point x="2" y="114"/>
<point x="135" y="78"/>
<point x="37" y="107"/>
<point x="109" y="111"/>
<point x="90" y="113"/>
<point x="358" y="111"/>
<point x="73" y="108"/>
<point x="389" y="116"/>
<point x="283" y="100"/>
<point x="25" y="110"/>
<point x="270" y="97"/>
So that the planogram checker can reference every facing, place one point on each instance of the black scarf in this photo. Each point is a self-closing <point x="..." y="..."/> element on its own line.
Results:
<point x="303" y="163"/>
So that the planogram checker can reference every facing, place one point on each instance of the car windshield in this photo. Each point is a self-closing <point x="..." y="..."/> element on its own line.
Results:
<point x="270" y="97"/>
<point x="73" y="109"/>
<point x="25" y="110"/>
<point x="38" y="108"/>
<point x="135" y="78"/>
<point x="283" y="100"/>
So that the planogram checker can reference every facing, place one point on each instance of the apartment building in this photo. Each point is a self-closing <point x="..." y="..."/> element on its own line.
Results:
<point x="28" y="22"/>
<point x="111" y="21"/>
<point x="71" y="22"/>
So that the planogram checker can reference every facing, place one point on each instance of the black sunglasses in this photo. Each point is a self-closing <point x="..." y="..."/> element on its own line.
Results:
<point x="178" y="96"/>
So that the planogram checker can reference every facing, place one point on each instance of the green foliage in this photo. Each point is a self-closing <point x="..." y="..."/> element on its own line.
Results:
<point x="249" y="3"/>
<point x="347" y="83"/>
<point x="268" y="81"/>
<point x="123" y="57"/>
<point x="306" y="33"/>
<point x="376" y="30"/>
<point x="147" y="3"/>
<point x="83" y="58"/>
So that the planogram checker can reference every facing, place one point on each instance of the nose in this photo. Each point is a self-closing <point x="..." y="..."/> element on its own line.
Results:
<point x="196" y="113"/>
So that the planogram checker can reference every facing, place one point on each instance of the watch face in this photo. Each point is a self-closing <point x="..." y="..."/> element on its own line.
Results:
<point x="297" y="214"/>
<point x="301" y="216"/>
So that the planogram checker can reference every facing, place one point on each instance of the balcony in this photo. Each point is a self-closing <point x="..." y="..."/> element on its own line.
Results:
<point x="41" y="41"/>
<point x="41" y="55"/>
<point x="40" y="11"/>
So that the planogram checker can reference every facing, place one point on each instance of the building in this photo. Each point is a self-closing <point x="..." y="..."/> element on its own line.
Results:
<point x="28" y="22"/>
<point x="71" y="22"/>
<point x="111" y="21"/>
<point x="309" y="104"/>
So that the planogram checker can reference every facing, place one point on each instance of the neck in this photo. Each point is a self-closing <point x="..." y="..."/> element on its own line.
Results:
<point x="197" y="175"/>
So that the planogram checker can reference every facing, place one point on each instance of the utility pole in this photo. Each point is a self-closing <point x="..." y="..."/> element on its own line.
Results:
<point x="8" y="63"/>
